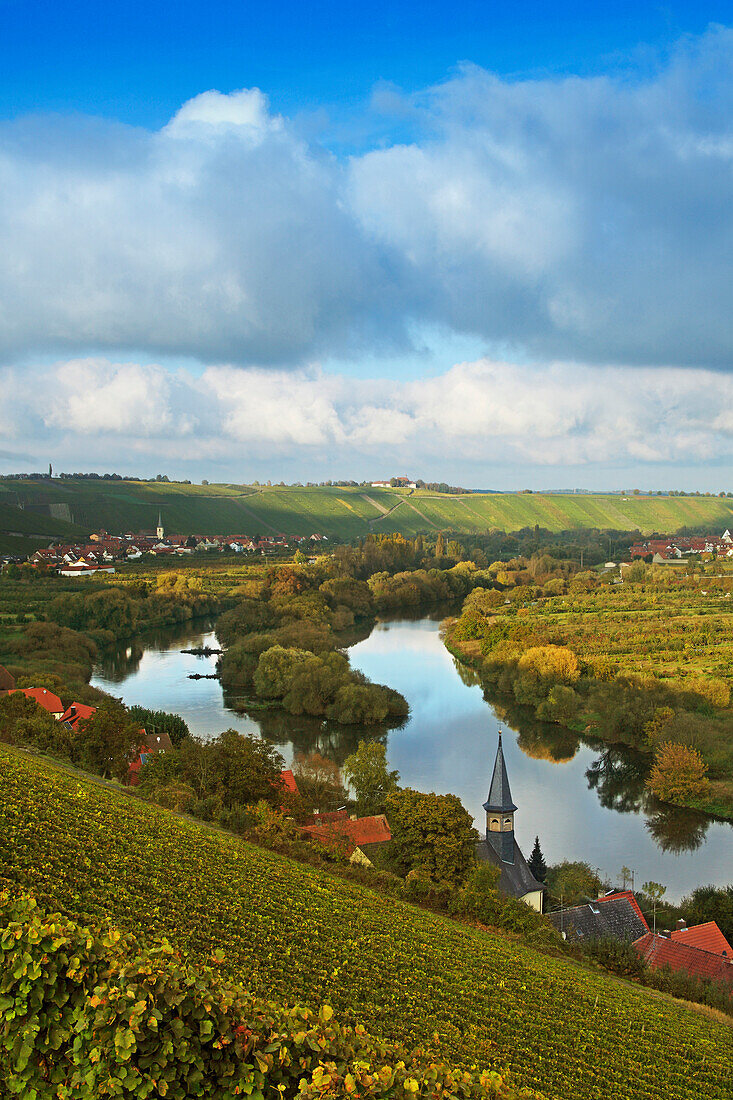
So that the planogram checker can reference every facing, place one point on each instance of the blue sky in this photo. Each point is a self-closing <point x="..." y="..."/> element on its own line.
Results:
<point x="138" y="60"/>
<point x="491" y="243"/>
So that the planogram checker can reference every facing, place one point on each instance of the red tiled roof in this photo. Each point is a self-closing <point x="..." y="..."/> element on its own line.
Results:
<point x="289" y="781"/>
<point x="44" y="698"/>
<point x="707" y="937"/>
<point x="77" y="712"/>
<point x="658" y="951"/>
<point x="359" y="833"/>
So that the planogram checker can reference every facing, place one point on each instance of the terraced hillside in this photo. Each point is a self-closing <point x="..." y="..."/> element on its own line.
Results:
<point x="294" y="933"/>
<point x="343" y="512"/>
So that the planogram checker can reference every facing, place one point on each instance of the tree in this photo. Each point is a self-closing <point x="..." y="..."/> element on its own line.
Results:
<point x="656" y="892"/>
<point x="367" y="774"/>
<point x="573" y="883"/>
<point x="432" y="834"/>
<point x="679" y="773"/>
<point x="536" y="862"/>
<point x="708" y="903"/>
<point x="319" y="783"/>
<point x="110" y="739"/>
<point x="276" y="669"/>
<point x="246" y="769"/>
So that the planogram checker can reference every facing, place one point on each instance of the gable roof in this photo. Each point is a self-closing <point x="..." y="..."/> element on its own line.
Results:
<point x="706" y="937"/>
<point x="359" y="832"/>
<point x="44" y="698"/>
<point x="7" y="682"/>
<point x="658" y="951"/>
<point x="515" y="879"/>
<point x="500" y="797"/>
<point x="616" y="916"/>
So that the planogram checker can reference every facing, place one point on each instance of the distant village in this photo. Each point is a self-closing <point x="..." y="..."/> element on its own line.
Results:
<point x="682" y="546"/>
<point x="103" y="551"/>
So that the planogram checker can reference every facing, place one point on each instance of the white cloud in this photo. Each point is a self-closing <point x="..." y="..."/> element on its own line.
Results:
<point x="485" y="415"/>
<point x="574" y="219"/>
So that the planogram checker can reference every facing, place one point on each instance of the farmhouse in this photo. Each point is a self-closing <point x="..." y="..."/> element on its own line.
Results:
<point x="44" y="698"/>
<point x="500" y="846"/>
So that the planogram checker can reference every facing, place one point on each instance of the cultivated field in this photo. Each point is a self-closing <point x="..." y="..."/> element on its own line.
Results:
<point x="297" y="934"/>
<point x="346" y="513"/>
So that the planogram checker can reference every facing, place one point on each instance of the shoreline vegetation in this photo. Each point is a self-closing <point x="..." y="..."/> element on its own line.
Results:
<point x="645" y="664"/>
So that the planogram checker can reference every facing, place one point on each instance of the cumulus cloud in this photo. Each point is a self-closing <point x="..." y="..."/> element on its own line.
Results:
<point x="584" y="219"/>
<point x="492" y="416"/>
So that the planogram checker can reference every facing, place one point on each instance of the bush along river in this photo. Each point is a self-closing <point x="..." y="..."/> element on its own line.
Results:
<point x="585" y="800"/>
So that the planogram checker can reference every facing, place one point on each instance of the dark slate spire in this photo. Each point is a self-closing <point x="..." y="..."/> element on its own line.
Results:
<point x="500" y="797"/>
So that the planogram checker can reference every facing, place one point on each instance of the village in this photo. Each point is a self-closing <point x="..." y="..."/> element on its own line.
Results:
<point x="104" y="551"/>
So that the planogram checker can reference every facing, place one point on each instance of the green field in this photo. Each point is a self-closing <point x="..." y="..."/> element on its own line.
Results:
<point x="295" y="933"/>
<point x="347" y="513"/>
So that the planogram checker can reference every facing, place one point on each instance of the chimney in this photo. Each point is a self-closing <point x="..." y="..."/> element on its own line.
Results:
<point x="681" y="925"/>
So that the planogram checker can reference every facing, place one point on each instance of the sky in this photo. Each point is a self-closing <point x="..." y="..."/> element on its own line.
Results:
<point x="488" y="244"/>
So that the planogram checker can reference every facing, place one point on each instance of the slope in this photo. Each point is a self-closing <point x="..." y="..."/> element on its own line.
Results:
<point x="346" y="513"/>
<point x="295" y="933"/>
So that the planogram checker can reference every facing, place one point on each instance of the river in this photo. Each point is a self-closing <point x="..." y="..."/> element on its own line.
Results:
<point x="585" y="801"/>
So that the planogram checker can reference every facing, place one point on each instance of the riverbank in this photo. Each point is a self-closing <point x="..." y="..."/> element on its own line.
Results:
<point x="642" y="667"/>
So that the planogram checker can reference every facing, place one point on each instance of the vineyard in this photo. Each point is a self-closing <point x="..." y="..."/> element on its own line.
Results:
<point x="340" y="512"/>
<point x="293" y="933"/>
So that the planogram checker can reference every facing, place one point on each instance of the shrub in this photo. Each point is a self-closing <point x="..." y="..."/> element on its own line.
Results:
<point x="679" y="773"/>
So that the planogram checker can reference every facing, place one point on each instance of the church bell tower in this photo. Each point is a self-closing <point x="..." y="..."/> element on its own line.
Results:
<point x="500" y="810"/>
<point x="159" y="532"/>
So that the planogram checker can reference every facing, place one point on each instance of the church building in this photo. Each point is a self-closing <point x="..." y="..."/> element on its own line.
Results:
<point x="500" y="846"/>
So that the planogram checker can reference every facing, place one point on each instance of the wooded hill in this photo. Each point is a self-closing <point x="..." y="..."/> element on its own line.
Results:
<point x="344" y="513"/>
<point x="299" y="934"/>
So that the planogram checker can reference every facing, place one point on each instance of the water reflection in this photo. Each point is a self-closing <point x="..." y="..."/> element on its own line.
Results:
<point x="585" y="799"/>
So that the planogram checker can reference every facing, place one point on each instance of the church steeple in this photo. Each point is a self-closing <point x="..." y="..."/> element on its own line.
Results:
<point x="500" y="809"/>
<point x="159" y="533"/>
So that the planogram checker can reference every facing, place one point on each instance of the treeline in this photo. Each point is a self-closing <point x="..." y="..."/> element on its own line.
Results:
<point x="112" y="613"/>
<point x="523" y="642"/>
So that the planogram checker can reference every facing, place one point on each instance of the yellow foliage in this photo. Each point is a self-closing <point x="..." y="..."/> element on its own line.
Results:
<point x="679" y="773"/>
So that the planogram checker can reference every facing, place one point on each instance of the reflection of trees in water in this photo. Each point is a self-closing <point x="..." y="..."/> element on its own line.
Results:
<point x="121" y="660"/>
<point x="674" y="829"/>
<point x="308" y="734"/>
<point x="540" y="740"/>
<point x="618" y="776"/>
<point x="469" y="676"/>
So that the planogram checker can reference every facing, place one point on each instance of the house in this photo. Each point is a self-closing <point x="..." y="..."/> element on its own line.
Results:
<point x="706" y="937"/>
<point x="358" y="835"/>
<point x="7" y="682"/>
<point x="45" y="698"/>
<point x="152" y="744"/>
<point x="76" y="713"/>
<point x="500" y="846"/>
<point x="659" y="951"/>
<point x="615" y="916"/>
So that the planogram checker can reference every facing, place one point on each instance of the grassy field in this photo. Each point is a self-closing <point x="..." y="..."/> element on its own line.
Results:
<point x="344" y="512"/>
<point x="297" y="934"/>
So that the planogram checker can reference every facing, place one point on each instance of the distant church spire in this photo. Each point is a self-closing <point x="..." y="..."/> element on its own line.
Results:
<point x="500" y="809"/>
<point x="159" y="534"/>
